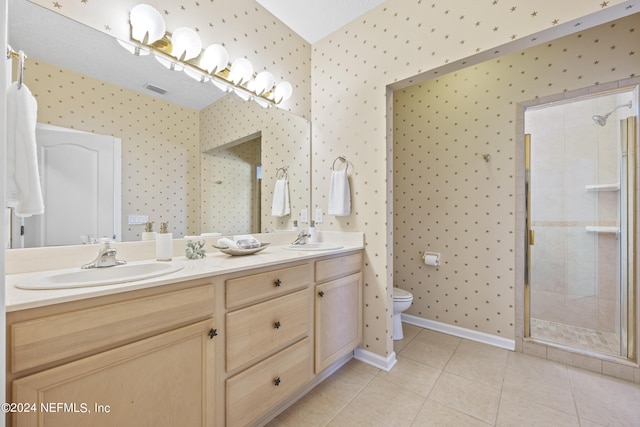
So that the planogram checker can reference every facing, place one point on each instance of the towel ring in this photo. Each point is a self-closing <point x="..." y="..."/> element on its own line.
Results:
<point x="343" y="159"/>
<point x="284" y="172"/>
<point x="21" y="57"/>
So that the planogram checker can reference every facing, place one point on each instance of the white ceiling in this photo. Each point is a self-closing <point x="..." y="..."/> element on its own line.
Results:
<point x="315" y="19"/>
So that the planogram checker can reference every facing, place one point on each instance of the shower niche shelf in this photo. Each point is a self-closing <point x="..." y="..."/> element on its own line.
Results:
<point x="602" y="229"/>
<point x="603" y="187"/>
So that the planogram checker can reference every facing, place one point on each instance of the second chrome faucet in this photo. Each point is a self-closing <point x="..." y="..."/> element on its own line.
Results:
<point x="106" y="256"/>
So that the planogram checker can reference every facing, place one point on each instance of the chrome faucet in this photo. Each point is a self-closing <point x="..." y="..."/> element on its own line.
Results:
<point x="302" y="238"/>
<point x="106" y="256"/>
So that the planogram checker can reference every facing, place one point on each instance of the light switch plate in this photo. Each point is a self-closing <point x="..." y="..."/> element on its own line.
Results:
<point x="319" y="216"/>
<point x="138" y="219"/>
<point x="304" y="215"/>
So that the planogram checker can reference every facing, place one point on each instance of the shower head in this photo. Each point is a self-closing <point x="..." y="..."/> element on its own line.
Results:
<point x="602" y="120"/>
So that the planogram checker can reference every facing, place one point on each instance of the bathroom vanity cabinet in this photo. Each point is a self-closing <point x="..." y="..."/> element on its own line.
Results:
<point x="231" y="349"/>
<point x="137" y="358"/>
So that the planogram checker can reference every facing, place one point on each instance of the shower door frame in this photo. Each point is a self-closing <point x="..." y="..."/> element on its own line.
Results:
<point x="628" y="260"/>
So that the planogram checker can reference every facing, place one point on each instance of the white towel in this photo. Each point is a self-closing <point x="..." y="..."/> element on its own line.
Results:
<point x="339" y="194"/>
<point x="280" y="205"/>
<point x="23" y="181"/>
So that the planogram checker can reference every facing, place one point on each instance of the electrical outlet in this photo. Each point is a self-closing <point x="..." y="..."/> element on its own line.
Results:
<point x="304" y="215"/>
<point x="319" y="215"/>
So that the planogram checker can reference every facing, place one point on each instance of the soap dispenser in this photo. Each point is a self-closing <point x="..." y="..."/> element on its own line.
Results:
<point x="148" y="233"/>
<point x="164" y="243"/>
<point x="313" y="233"/>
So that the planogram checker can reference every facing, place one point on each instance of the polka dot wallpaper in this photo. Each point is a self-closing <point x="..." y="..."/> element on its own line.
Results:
<point x="341" y="84"/>
<point x="351" y="70"/>
<point x="159" y="142"/>
<point x="230" y="190"/>
<point x="285" y="143"/>
<point x="448" y="199"/>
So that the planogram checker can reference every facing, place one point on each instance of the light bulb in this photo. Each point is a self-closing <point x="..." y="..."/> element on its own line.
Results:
<point x="241" y="71"/>
<point x="264" y="82"/>
<point x="147" y="25"/>
<point x="186" y="44"/>
<point x="214" y="59"/>
<point x="282" y="92"/>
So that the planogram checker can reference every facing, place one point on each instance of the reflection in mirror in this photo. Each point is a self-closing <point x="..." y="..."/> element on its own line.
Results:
<point x="93" y="85"/>
<point x="285" y="141"/>
<point x="235" y="173"/>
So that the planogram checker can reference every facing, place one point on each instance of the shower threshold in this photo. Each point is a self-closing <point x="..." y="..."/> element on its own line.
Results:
<point x="575" y="337"/>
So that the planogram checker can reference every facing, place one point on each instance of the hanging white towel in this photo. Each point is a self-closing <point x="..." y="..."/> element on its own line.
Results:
<point x="339" y="194"/>
<point x="280" y="206"/>
<point x="23" y="181"/>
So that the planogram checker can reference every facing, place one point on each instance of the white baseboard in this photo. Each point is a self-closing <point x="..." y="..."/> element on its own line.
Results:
<point x="375" y="359"/>
<point x="457" y="331"/>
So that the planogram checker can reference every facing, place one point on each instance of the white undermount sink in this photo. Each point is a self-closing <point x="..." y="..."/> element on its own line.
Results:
<point x="314" y="247"/>
<point x="82" y="278"/>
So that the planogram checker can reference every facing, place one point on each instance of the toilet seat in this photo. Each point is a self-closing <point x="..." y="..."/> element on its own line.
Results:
<point x="401" y="295"/>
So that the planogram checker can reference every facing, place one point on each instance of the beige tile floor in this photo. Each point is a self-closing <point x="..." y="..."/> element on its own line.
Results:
<point x="441" y="380"/>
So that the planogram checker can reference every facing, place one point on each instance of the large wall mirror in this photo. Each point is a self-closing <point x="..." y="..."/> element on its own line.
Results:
<point x="203" y="160"/>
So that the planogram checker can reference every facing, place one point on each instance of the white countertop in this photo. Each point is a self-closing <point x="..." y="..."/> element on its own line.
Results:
<point x="215" y="263"/>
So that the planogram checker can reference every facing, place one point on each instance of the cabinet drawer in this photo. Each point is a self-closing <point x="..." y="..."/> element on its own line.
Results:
<point x="333" y="268"/>
<point x="257" y="287"/>
<point x="253" y="393"/>
<point x="257" y="330"/>
<point x="51" y="338"/>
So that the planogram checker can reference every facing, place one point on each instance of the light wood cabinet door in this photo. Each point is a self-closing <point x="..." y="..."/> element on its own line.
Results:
<point x="165" y="380"/>
<point x="338" y="319"/>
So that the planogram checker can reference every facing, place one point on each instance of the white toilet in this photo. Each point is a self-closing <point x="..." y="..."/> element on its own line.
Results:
<point x="401" y="301"/>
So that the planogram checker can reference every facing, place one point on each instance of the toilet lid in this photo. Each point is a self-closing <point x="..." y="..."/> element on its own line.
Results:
<point x="401" y="294"/>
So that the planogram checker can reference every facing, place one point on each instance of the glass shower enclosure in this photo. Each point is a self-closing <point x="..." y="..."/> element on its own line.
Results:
<point x="581" y="174"/>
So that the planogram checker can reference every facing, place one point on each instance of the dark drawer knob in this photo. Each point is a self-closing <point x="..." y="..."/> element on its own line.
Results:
<point x="321" y="294"/>
<point x="278" y="282"/>
<point x="276" y="325"/>
<point x="213" y="333"/>
<point x="276" y="381"/>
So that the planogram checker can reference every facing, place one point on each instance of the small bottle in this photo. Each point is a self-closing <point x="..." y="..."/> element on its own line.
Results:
<point x="313" y="233"/>
<point x="164" y="243"/>
<point x="295" y="225"/>
<point x="148" y="233"/>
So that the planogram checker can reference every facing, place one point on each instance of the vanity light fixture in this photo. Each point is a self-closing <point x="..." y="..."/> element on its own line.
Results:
<point x="182" y="51"/>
